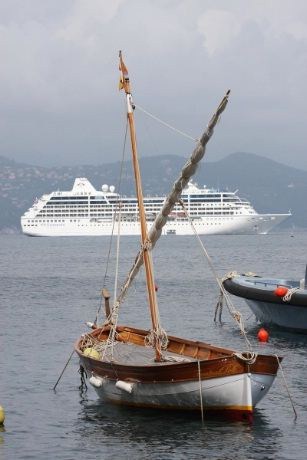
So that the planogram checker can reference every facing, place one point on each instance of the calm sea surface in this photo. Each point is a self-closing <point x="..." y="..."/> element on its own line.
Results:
<point x="50" y="288"/>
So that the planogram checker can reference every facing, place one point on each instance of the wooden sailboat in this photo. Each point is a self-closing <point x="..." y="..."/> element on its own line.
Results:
<point x="143" y="368"/>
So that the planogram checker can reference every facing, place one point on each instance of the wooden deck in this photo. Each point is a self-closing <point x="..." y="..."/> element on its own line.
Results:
<point x="131" y="354"/>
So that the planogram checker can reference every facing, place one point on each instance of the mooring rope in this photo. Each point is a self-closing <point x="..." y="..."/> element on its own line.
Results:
<point x="200" y="392"/>
<point x="287" y="388"/>
<point x="67" y="362"/>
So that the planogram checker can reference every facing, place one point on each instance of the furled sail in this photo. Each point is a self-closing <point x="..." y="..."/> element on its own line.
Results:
<point x="187" y="172"/>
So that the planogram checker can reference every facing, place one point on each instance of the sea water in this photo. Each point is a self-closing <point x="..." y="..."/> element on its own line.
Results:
<point x="51" y="286"/>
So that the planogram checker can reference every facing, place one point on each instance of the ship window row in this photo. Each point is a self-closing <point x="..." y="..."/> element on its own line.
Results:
<point x="65" y="208"/>
<point x="148" y="201"/>
<point x="210" y="200"/>
<point x="106" y="214"/>
<point x="57" y="221"/>
<point x="51" y="212"/>
<point x="99" y="202"/>
<point x="133" y="201"/>
<point x="67" y="203"/>
<point x="32" y="222"/>
<point x="215" y="209"/>
<point x="109" y="214"/>
<point x="59" y="208"/>
<point x="212" y="213"/>
<point x="203" y="197"/>
<point x="69" y="198"/>
<point x="125" y="201"/>
<point x="77" y="205"/>
<point x="65" y="215"/>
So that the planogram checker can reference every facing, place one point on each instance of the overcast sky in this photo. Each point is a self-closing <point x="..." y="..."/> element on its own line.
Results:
<point x="60" y="103"/>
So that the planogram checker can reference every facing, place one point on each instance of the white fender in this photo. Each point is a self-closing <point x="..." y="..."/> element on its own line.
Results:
<point x="96" y="381"/>
<point x="124" y="386"/>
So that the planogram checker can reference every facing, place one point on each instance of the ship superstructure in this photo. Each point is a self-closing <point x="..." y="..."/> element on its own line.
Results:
<point x="85" y="211"/>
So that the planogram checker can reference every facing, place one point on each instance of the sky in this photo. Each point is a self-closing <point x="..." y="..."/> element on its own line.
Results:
<point x="59" y="97"/>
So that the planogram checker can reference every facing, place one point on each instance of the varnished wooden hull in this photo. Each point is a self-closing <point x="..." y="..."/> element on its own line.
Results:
<point x="215" y="377"/>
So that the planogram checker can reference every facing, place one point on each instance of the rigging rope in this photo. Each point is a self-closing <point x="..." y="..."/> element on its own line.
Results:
<point x="236" y="315"/>
<point x="117" y="253"/>
<point x="186" y="173"/>
<point x="114" y="218"/>
<point x="166" y="124"/>
<point x="115" y="308"/>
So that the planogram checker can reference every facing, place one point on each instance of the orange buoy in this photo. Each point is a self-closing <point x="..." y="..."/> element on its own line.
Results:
<point x="281" y="291"/>
<point x="263" y="335"/>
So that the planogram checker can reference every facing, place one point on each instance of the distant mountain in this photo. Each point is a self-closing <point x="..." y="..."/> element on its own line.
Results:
<point x="269" y="185"/>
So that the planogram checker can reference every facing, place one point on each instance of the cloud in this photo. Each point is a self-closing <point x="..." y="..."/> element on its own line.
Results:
<point x="86" y="19"/>
<point x="59" y="75"/>
<point x="221" y="27"/>
<point x="218" y="28"/>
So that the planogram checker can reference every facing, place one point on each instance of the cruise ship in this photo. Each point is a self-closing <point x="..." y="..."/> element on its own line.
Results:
<point x="85" y="211"/>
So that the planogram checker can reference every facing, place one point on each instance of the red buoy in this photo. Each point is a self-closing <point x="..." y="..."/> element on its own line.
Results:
<point x="263" y="335"/>
<point x="281" y="291"/>
<point x="156" y="288"/>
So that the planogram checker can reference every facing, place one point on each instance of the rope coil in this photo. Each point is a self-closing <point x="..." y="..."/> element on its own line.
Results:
<point x="158" y="336"/>
<point x="249" y="357"/>
<point x="287" y="297"/>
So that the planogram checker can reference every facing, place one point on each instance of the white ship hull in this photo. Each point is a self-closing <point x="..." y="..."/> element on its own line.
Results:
<point x="236" y="392"/>
<point x="239" y="225"/>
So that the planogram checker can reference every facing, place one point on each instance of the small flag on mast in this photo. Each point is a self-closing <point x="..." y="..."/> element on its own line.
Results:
<point x="124" y="78"/>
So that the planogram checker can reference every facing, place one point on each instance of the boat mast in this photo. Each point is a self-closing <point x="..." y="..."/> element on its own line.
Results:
<point x="146" y="243"/>
<point x="186" y="173"/>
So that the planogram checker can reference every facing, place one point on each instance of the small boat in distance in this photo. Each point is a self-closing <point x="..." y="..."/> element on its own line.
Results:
<point x="85" y="211"/>
<point x="148" y="368"/>
<point x="278" y="302"/>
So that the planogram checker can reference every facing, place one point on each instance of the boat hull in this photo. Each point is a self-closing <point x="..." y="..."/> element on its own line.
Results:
<point x="218" y="379"/>
<point x="240" y="394"/>
<point x="206" y="225"/>
<point x="267" y="307"/>
<point x="289" y="317"/>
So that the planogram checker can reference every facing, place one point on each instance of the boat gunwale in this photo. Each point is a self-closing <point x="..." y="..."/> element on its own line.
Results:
<point x="258" y="294"/>
<point x="228" y="364"/>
